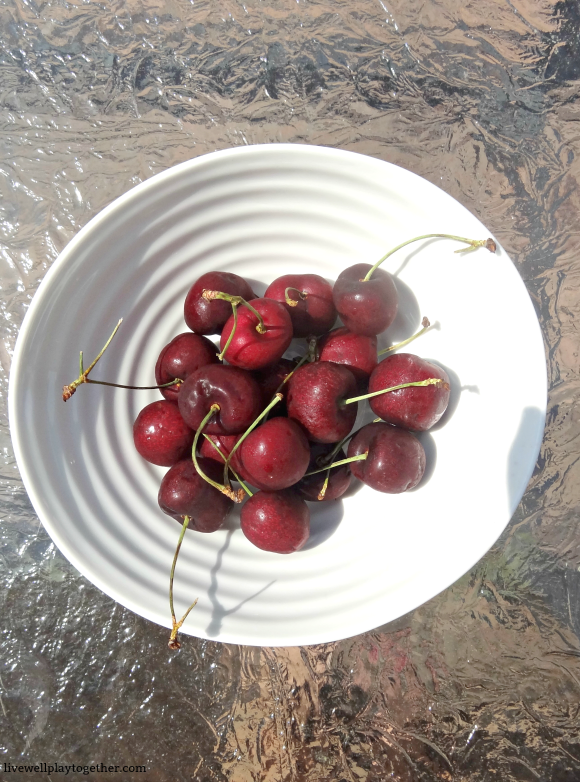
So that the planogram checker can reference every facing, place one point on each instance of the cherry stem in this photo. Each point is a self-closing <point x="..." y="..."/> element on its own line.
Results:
<point x="236" y="496"/>
<point x="426" y="326"/>
<point x="69" y="390"/>
<point x="277" y="398"/>
<point x="292" y="302"/>
<point x="489" y="244"/>
<point x="211" y="295"/>
<point x="173" y="642"/>
<point x="322" y="492"/>
<point x="176" y="382"/>
<point x="328" y="462"/>
<point x="232" y="332"/>
<point x="431" y="381"/>
<point x="224" y="457"/>
<point x="306" y="357"/>
<point x="358" y="458"/>
<point x="330" y="456"/>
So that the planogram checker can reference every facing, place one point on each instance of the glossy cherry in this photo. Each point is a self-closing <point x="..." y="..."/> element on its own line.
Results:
<point x="316" y="395"/>
<point x="276" y="521"/>
<point x="275" y="455"/>
<point x="312" y="310"/>
<point x="357" y="352"/>
<point x="161" y="435"/>
<point x="395" y="460"/>
<point x="235" y="391"/>
<point x="180" y="357"/>
<point x="339" y="478"/>
<point x="417" y="409"/>
<point x="183" y="492"/>
<point x="209" y="317"/>
<point x="366" y="306"/>
<point x="249" y="347"/>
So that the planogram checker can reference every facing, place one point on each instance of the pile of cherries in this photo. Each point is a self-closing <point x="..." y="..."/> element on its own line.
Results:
<point x="244" y="420"/>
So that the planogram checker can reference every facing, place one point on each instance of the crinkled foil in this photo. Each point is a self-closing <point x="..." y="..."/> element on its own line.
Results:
<point x="481" y="98"/>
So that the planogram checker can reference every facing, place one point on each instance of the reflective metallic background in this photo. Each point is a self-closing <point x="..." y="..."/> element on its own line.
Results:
<point x="481" y="98"/>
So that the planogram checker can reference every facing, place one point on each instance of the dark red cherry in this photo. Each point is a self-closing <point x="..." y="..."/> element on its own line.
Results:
<point x="276" y="521"/>
<point x="355" y="351"/>
<point x="250" y="349"/>
<point x="180" y="357"/>
<point x="316" y="396"/>
<point x="183" y="492"/>
<point x="416" y="408"/>
<point x="366" y="307"/>
<point x="273" y="456"/>
<point x="339" y="479"/>
<point x="233" y="389"/>
<point x="395" y="461"/>
<point x="209" y="317"/>
<point x="314" y="311"/>
<point x="161" y="435"/>
<point x="225" y="442"/>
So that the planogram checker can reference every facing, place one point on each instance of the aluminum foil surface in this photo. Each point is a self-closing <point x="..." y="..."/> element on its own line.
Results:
<point x="481" y="98"/>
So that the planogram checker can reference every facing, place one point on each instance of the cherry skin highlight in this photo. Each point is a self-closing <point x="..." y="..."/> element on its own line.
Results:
<point x="273" y="456"/>
<point x="180" y="357"/>
<point x="316" y="393"/>
<point x="339" y="478"/>
<point x="366" y="306"/>
<point x="355" y="351"/>
<point x="417" y="409"/>
<point x="235" y="391"/>
<point x="276" y="521"/>
<point x="314" y="313"/>
<point x="209" y="317"/>
<point x="160" y="434"/>
<point x="249" y="349"/>
<point x="395" y="461"/>
<point x="183" y="492"/>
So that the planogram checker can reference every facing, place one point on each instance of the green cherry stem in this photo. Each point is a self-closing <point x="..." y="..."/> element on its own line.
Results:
<point x="473" y="244"/>
<point x="293" y="302"/>
<point x="211" y="295"/>
<point x="173" y="642"/>
<point x="329" y="457"/>
<point x="306" y="357"/>
<point x="83" y="377"/>
<point x="236" y="496"/>
<point x="176" y="382"/>
<point x="69" y="390"/>
<point x="322" y="492"/>
<point x="234" y="473"/>
<point x="431" y="381"/>
<point x="277" y="398"/>
<point x="426" y="326"/>
<point x="358" y="458"/>
<point x="232" y="332"/>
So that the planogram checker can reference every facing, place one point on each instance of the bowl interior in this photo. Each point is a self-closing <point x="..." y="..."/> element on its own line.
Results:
<point x="261" y="212"/>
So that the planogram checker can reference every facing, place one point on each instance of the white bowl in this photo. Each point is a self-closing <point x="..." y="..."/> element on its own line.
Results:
<point x="263" y="211"/>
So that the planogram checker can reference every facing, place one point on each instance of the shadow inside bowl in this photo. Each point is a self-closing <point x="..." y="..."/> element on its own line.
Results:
<point x="324" y="520"/>
<point x="218" y="612"/>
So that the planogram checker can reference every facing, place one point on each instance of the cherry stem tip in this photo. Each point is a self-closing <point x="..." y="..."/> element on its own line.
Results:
<point x="70" y="389"/>
<point x="294" y="302"/>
